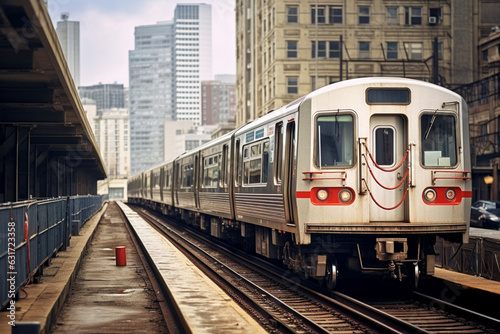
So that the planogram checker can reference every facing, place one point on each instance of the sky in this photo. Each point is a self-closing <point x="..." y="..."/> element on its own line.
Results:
<point x="107" y="33"/>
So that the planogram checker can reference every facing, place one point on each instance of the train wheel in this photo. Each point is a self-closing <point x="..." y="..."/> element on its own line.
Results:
<point x="331" y="273"/>
<point x="413" y="276"/>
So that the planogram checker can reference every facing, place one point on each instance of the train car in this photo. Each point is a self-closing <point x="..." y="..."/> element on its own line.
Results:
<point x="215" y="186"/>
<point x="134" y="188"/>
<point x="263" y="193"/>
<point x="360" y="176"/>
<point x="380" y="167"/>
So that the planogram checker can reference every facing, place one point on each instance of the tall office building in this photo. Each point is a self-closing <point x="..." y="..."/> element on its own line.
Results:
<point x="193" y="58"/>
<point x="106" y="96"/>
<point x="68" y="33"/>
<point x="151" y="93"/>
<point x="166" y="68"/>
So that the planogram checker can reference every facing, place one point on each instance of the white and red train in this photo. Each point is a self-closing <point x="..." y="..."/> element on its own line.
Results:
<point x="362" y="175"/>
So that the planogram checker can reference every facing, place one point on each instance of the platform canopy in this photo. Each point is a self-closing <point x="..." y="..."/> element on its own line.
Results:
<point x="47" y="147"/>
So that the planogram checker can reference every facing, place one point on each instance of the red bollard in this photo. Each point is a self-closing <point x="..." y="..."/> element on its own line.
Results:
<point x="121" y="256"/>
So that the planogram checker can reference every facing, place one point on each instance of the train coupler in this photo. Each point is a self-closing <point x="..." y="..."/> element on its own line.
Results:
<point x="391" y="249"/>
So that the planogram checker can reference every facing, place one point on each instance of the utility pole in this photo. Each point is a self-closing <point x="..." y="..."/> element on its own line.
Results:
<point x="340" y="56"/>
<point x="435" y="60"/>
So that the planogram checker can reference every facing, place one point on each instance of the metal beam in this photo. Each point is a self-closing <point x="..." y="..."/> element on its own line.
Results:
<point x="27" y="94"/>
<point x="32" y="117"/>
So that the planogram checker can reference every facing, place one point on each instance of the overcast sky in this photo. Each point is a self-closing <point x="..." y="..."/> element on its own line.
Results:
<point x="107" y="33"/>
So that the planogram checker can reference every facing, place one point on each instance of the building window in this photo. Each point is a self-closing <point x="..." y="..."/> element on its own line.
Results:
<point x="292" y="85"/>
<point x="292" y="14"/>
<point x="291" y="49"/>
<point x="434" y="16"/>
<point x="414" y="50"/>
<point x="321" y="14"/>
<point x="392" y="50"/>
<point x="321" y="52"/>
<point x="391" y="16"/>
<point x="334" y="51"/>
<point x="363" y="15"/>
<point x="413" y="16"/>
<point x="485" y="56"/>
<point x="364" y="50"/>
<point x="335" y="15"/>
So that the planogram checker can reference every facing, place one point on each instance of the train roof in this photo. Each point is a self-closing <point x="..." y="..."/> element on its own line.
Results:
<point x="211" y="143"/>
<point x="374" y="81"/>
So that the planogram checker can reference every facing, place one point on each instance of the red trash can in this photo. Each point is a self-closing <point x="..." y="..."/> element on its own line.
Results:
<point x="121" y="256"/>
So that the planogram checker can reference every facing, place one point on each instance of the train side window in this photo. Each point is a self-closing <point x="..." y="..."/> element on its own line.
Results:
<point x="210" y="172"/>
<point x="255" y="163"/>
<point x="334" y="145"/>
<point x="438" y="140"/>
<point x="187" y="176"/>
<point x="278" y="152"/>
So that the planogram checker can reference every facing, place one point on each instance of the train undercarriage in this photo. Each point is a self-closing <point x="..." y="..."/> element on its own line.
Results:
<point x="329" y="257"/>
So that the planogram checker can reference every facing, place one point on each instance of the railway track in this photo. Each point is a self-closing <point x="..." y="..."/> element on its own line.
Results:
<point x="282" y="304"/>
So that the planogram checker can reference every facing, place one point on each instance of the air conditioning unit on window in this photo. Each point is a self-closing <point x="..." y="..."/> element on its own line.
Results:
<point x="432" y="20"/>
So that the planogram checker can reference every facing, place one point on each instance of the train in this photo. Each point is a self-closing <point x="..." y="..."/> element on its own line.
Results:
<point x="357" y="178"/>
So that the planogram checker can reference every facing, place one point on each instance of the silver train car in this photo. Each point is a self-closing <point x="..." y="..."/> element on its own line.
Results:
<point x="358" y="177"/>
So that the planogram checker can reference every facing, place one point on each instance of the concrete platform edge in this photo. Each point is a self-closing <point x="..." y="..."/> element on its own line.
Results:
<point x="45" y="300"/>
<point x="127" y="212"/>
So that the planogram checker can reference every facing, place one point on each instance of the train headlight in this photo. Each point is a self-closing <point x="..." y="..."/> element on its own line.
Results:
<point x="322" y="195"/>
<point x="345" y="196"/>
<point x="430" y="195"/>
<point x="450" y="194"/>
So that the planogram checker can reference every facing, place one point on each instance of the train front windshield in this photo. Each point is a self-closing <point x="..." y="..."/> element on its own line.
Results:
<point x="334" y="141"/>
<point x="439" y="141"/>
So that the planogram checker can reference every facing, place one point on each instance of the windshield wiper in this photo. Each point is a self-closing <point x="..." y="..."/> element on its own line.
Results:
<point x="429" y="127"/>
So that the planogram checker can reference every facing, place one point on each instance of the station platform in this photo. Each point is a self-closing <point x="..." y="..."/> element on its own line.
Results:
<point x="484" y="233"/>
<point x="468" y="281"/>
<point x="204" y="306"/>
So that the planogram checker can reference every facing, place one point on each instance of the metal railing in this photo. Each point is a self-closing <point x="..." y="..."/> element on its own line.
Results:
<point x="479" y="257"/>
<point x="34" y="231"/>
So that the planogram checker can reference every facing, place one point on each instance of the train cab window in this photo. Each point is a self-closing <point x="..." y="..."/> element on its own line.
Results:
<point x="438" y="140"/>
<point x="255" y="163"/>
<point x="334" y="141"/>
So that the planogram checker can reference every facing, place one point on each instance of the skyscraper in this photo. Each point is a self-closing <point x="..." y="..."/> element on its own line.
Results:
<point x="166" y="68"/>
<point x="193" y="58"/>
<point x="151" y="81"/>
<point x="68" y="33"/>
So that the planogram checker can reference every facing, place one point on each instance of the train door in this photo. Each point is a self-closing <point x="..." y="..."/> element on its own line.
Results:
<point x="289" y="171"/>
<point x="388" y="148"/>
<point x="196" y="182"/>
<point x="177" y="178"/>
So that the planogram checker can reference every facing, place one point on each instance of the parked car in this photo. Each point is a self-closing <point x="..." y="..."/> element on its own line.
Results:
<point x="485" y="214"/>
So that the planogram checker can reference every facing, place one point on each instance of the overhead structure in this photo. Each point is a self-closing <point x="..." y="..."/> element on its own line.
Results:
<point x="47" y="148"/>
